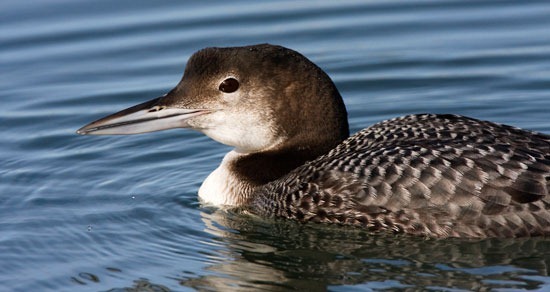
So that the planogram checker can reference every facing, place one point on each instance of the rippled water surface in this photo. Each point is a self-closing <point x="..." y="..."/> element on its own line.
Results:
<point x="113" y="213"/>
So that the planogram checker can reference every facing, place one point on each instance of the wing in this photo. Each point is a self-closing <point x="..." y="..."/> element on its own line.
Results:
<point x="435" y="175"/>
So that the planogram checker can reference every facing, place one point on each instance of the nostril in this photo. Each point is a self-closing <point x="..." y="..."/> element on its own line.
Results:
<point x="156" y="108"/>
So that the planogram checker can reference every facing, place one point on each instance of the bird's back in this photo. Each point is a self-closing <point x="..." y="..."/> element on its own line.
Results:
<point x="434" y="175"/>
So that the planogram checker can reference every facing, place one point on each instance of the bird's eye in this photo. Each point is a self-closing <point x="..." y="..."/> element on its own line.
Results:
<point x="229" y="85"/>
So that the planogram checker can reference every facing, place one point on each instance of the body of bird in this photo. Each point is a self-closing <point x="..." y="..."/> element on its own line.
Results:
<point x="426" y="174"/>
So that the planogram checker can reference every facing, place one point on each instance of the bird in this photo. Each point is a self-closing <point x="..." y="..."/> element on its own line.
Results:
<point x="431" y="175"/>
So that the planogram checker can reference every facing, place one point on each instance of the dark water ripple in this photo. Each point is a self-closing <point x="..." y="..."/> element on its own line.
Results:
<point x="121" y="214"/>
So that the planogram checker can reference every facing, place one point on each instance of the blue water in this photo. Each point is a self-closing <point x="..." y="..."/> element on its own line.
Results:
<point x="81" y="213"/>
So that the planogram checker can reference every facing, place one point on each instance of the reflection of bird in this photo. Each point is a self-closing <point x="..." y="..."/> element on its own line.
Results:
<point x="435" y="175"/>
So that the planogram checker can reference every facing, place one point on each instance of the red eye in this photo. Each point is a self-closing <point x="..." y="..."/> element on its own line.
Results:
<point x="229" y="85"/>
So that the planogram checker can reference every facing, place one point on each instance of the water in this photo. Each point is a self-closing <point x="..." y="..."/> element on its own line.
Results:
<point x="113" y="213"/>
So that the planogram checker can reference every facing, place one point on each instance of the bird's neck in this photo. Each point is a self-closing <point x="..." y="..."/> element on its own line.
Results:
<point x="239" y="175"/>
<point x="222" y="187"/>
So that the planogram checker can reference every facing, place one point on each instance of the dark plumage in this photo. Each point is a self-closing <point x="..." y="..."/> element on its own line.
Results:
<point x="433" y="175"/>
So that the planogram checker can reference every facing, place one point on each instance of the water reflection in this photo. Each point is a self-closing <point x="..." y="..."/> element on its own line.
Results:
<point x="259" y="253"/>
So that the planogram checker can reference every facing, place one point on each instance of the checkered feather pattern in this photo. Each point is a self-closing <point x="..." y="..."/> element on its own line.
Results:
<point x="426" y="174"/>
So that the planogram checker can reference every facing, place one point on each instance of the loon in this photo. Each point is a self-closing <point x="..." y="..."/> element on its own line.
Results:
<point x="433" y="175"/>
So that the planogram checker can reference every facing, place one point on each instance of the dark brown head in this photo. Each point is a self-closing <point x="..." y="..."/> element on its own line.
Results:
<point x="256" y="98"/>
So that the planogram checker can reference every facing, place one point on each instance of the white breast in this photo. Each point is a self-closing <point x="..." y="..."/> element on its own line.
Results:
<point x="221" y="187"/>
